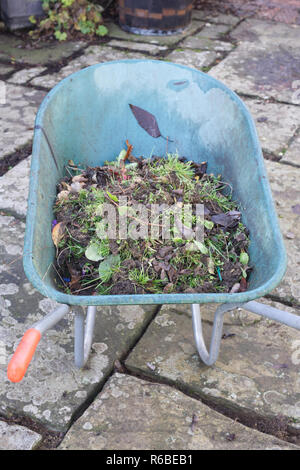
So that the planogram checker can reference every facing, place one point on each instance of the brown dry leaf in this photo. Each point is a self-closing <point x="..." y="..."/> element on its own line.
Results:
<point x="63" y="195"/>
<point x="65" y="186"/>
<point x="79" y="179"/>
<point x="210" y="266"/>
<point x="58" y="233"/>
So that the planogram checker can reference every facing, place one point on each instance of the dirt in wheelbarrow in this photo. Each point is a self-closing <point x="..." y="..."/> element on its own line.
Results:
<point x="148" y="225"/>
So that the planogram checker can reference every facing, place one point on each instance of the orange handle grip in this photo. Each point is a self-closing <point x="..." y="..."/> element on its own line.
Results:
<point x="23" y="355"/>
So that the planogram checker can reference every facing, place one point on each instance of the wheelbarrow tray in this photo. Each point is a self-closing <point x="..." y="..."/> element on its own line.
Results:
<point x="86" y="118"/>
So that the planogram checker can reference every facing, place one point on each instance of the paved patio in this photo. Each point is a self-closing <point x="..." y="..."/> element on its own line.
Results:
<point x="144" y="386"/>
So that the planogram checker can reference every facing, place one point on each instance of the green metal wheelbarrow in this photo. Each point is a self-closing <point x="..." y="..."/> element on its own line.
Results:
<point x="87" y="118"/>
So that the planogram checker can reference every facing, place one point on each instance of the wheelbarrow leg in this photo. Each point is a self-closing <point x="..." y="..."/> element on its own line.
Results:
<point x="84" y="335"/>
<point x="209" y="358"/>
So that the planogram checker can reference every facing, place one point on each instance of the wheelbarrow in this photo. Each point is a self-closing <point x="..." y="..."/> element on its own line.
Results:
<point x="87" y="118"/>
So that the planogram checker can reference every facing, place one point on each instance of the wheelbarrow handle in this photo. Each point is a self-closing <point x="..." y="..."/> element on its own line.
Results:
<point x="20" y="361"/>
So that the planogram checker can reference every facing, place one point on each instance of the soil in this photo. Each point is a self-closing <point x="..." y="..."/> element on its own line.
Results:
<point x="91" y="260"/>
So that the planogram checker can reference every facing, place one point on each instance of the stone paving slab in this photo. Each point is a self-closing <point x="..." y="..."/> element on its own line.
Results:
<point x="214" y="31"/>
<point x="266" y="62"/>
<point x="114" y="31"/>
<point x="5" y="69"/>
<point x="293" y="153"/>
<point x="197" y="60"/>
<point x="132" y="414"/>
<point x="15" y="437"/>
<point x="266" y="33"/>
<point x="93" y="55"/>
<point x="203" y="15"/>
<point x="53" y="389"/>
<point x="23" y="76"/>
<point x="276" y="123"/>
<point x="17" y="117"/>
<point x="284" y="180"/>
<point x="138" y="46"/>
<point x="15" y="50"/>
<point x="14" y="189"/>
<point x="256" y="375"/>
<point x="200" y="43"/>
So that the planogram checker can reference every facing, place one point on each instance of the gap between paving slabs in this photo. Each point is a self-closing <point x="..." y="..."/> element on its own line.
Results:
<point x="9" y="161"/>
<point x="53" y="390"/>
<point x="133" y="414"/>
<point x="255" y="379"/>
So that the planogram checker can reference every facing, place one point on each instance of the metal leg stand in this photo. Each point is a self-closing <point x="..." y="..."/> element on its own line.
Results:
<point x="84" y="335"/>
<point x="210" y="358"/>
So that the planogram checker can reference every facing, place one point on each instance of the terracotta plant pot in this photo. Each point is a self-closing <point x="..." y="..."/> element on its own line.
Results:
<point x="15" y="13"/>
<point x="155" y="17"/>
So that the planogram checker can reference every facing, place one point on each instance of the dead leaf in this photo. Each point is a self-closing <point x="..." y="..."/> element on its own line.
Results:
<point x="58" y="233"/>
<point x="243" y="285"/>
<point x="79" y="179"/>
<point x="146" y="120"/>
<point x="210" y="266"/>
<point x="63" y="195"/>
<point x="228" y="220"/>
<point x="65" y="186"/>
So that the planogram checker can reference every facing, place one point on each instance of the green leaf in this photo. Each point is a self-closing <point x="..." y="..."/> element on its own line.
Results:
<point x="107" y="267"/>
<point x="112" y="196"/>
<point x="201" y="247"/>
<point x="32" y="19"/>
<point x="92" y="252"/>
<point x="121" y="156"/>
<point x="244" y="258"/>
<point x="208" y="224"/>
<point x="101" y="30"/>
<point x="60" y="36"/>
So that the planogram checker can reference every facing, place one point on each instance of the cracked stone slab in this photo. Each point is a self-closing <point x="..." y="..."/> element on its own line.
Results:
<point x="197" y="60"/>
<point x="6" y="69"/>
<point x="276" y="123"/>
<point x="114" y="31"/>
<point x="17" y="117"/>
<point x="284" y="181"/>
<point x="93" y="55"/>
<point x="133" y="414"/>
<point x="15" y="437"/>
<point x="138" y="46"/>
<point x="15" y="49"/>
<point x="53" y="388"/>
<point x="203" y="15"/>
<point x="213" y="31"/>
<point x="23" y="76"/>
<point x="266" y="33"/>
<point x="292" y="155"/>
<point x="14" y="187"/>
<point x="266" y="62"/>
<point x="256" y="375"/>
<point x="201" y="43"/>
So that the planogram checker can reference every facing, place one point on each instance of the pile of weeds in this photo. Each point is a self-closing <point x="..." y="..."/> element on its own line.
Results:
<point x="102" y="252"/>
